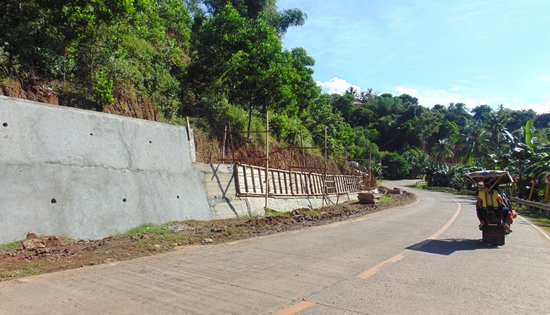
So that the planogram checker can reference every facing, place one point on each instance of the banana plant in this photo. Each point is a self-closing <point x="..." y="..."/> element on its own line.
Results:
<point x="527" y="160"/>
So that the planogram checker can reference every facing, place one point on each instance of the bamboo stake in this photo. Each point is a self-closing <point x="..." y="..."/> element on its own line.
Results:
<point x="547" y="193"/>
<point x="325" y="189"/>
<point x="224" y="139"/>
<point x="266" y="158"/>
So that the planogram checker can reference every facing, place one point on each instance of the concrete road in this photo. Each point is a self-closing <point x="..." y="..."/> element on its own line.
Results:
<point x="425" y="258"/>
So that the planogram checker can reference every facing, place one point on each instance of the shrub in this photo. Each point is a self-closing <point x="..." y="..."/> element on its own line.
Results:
<point x="103" y="89"/>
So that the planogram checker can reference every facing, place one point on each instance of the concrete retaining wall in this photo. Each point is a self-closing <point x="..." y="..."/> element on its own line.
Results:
<point x="83" y="174"/>
<point x="220" y="184"/>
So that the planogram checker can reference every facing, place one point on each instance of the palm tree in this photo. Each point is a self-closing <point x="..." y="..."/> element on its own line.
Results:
<point x="442" y="150"/>
<point x="496" y="126"/>
<point x="474" y="140"/>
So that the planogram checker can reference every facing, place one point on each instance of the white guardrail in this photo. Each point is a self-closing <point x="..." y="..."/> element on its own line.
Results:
<point x="538" y="205"/>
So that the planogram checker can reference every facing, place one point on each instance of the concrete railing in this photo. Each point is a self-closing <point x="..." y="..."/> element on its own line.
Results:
<point x="532" y="204"/>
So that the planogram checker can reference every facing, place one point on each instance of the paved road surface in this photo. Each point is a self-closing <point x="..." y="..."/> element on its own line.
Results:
<point x="421" y="259"/>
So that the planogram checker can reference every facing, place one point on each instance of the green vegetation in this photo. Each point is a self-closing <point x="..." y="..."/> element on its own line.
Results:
<point x="149" y="228"/>
<point x="387" y="199"/>
<point x="10" y="246"/>
<point x="20" y="272"/>
<point x="221" y="62"/>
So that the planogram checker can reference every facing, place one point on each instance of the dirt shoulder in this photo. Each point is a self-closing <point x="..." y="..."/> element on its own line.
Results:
<point x="43" y="254"/>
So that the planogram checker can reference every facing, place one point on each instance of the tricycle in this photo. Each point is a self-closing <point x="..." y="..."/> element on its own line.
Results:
<point x="493" y="206"/>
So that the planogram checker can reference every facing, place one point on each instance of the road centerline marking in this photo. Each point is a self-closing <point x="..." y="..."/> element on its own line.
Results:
<point x="374" y="270"/>
<point x="449" y="223"/>
<point x="298" y="307"/>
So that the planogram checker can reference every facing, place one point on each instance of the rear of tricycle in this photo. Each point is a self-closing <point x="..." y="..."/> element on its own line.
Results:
<point x="493" y="218"/>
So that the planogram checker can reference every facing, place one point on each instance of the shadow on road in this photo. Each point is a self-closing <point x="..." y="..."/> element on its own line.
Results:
<point x="447" y="246"/>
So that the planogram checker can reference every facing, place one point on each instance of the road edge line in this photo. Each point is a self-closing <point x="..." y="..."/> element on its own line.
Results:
<point x="536" y="227"/>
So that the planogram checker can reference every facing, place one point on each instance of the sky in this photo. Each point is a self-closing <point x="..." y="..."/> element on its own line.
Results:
<point x="439" y="51"/>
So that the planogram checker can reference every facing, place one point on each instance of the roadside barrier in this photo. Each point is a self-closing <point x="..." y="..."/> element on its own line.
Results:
<point x="250" y="181"/>
<point x="532" y="204"/>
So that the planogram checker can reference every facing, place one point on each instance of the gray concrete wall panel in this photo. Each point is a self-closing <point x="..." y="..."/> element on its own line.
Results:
<point x="84" y="174"/>
<point x="40" y="133"/>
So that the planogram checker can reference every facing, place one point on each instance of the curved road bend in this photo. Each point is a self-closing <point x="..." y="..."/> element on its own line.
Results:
<point x="421" y="259"/>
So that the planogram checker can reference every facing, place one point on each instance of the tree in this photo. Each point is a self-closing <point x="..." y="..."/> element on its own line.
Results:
<point x="394" y="166"/>
<point x="242" y="60"/>
<point x="102" y="51"/>
<point x="542" y="121"/>
<point x="418" y="160"/>
<point x="496" y="126"/>
<point x="441" y="151"/>
<point x="458" y="113"/>
<point x="518" y="118"/>
<point x="344" y="104"/>
<point x="267" y="9"/>
<point x="408" y="100"/>
<point x="474" y="143"/>
<point x="303" y="84"/>
<point x="448" y="130"/>
<point x="481" y="112"/>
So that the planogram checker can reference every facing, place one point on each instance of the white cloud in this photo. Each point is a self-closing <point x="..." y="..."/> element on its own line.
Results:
<point x="403" y="90"/>
<point x="456" y="88"/>
<point x="539" y="107"/>
<point x="337" y="86"/>
<point x="429" y="98"/>
<point x="543" y="78"/>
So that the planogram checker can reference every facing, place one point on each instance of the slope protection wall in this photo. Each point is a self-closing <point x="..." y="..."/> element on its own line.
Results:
<point x="222" y="196"/>
<point x="84" y="174"/>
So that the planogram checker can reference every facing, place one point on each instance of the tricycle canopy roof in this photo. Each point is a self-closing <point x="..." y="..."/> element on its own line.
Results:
<point x="490" y="177"/>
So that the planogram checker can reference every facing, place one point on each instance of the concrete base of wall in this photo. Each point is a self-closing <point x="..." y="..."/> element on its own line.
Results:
<point x="220" y="186"/>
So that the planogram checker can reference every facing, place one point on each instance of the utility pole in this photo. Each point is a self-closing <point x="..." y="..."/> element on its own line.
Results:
<point x="370" y="167"/>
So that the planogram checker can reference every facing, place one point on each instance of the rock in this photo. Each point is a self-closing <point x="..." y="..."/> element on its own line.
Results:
<point x="33" y="243"/>
<point x="53" y="241"/>
<point x="208" y="240"/>
<point x="31" y="236"/>
<point x="366" y="198"/>
<point x="395" y="191"/>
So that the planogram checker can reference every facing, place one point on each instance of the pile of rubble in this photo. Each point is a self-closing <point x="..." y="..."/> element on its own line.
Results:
<point x="372" y="197"/>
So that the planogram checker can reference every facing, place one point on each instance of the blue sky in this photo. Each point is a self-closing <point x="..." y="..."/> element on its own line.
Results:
<point x="440" y="51"/>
